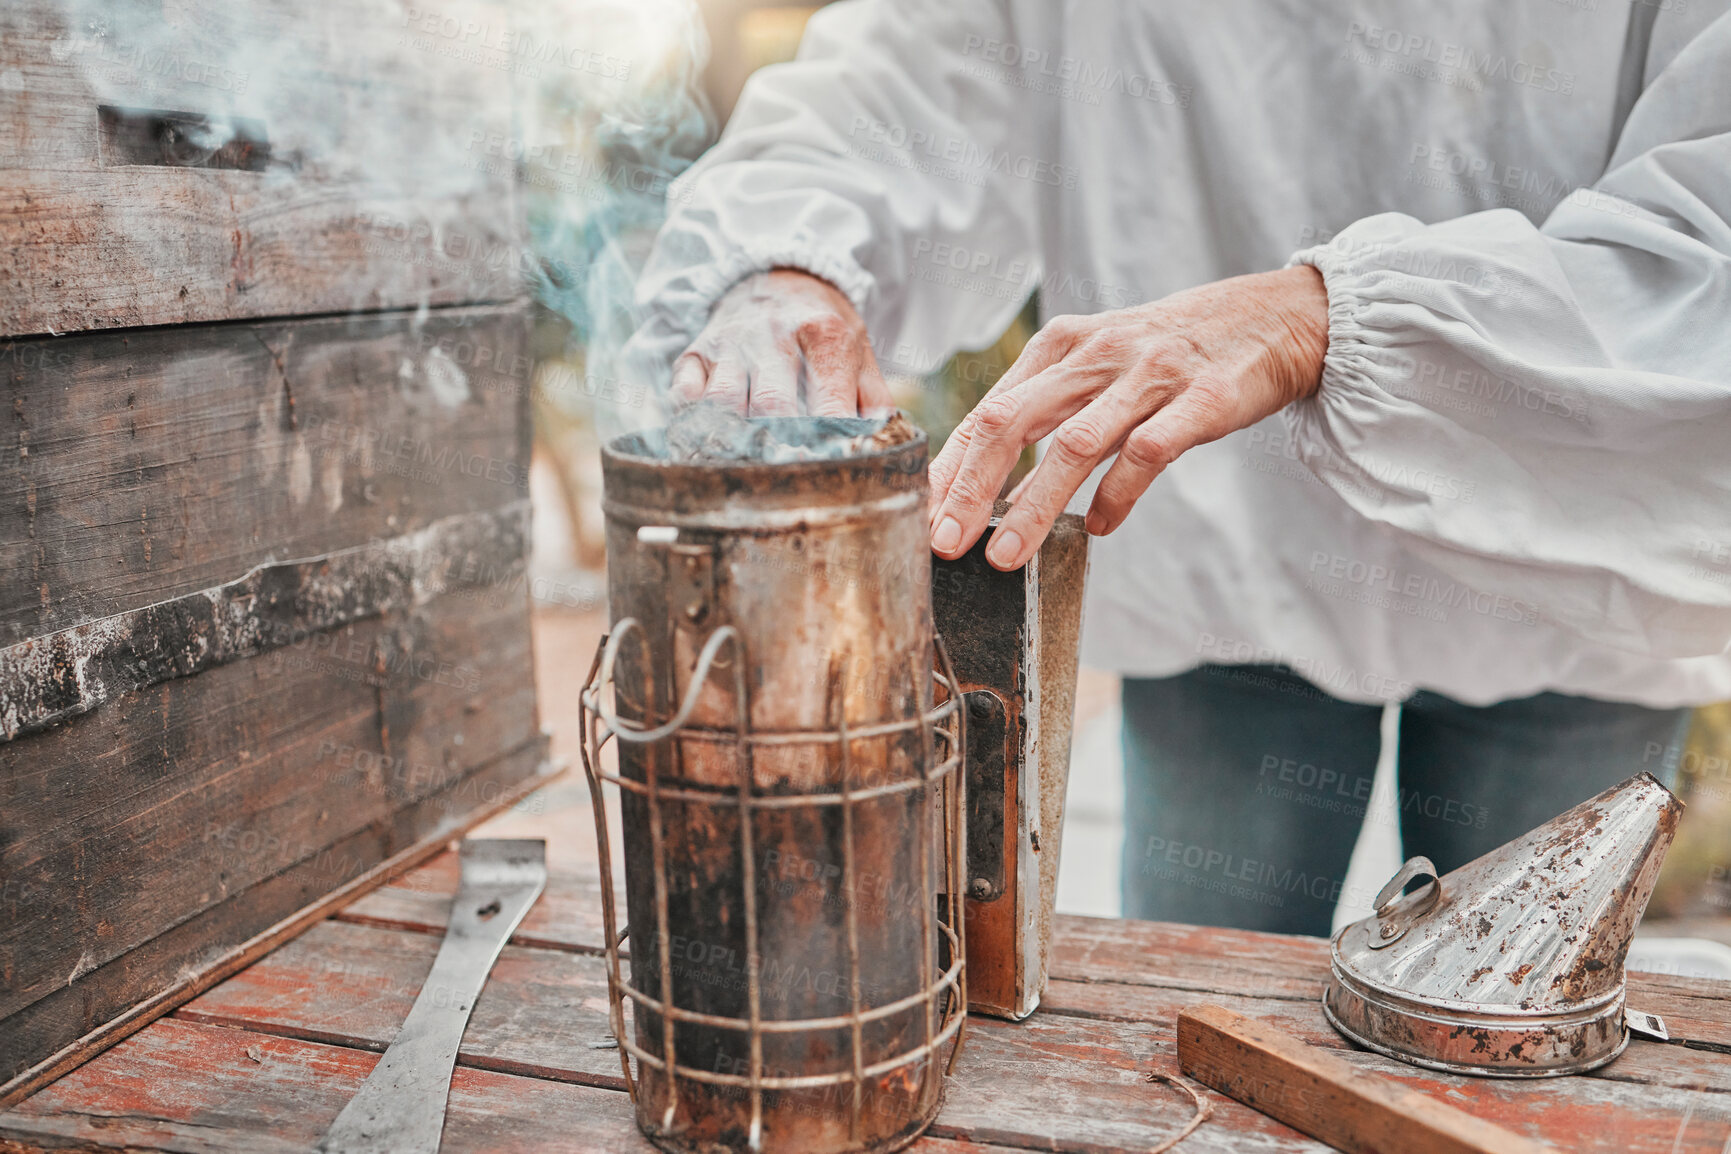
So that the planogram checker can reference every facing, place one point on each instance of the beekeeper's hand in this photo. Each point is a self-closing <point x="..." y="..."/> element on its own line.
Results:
<point x="1147" y="383"/>
<point x="749" y="356"/>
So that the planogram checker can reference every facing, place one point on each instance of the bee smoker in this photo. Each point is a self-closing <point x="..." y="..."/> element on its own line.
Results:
<point x="788" y="768"/>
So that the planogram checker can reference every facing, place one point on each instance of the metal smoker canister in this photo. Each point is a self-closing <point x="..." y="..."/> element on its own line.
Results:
<point x="809" y="951"/>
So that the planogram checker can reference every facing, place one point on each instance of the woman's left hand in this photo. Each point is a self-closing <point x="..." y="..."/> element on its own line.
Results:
<point x="1147" y="383"/>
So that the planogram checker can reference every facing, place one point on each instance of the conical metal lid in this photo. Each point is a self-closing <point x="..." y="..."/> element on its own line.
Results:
<point x="1511" y="965"/>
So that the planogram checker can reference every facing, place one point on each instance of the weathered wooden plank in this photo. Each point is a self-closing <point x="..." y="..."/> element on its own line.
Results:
<point x="1008" y="1084"/>
<point x="543" y="1013"/>
<point x="1062" y="1084"/>
<point x="201" y="1090"/>
<point x="1646" y="1061"/>
<point x="1693" y="1008"/>
<point x="116" y="1001"/>
<point x="568" y="916"/>
<point x="1112" y="1002"/>
<point x="173" y="802"/>
<point x="1207" y="959"/>
<point x="1177" y="956"/>
<point x="1321" y="1094"/>
<point x="49" y="679"/>
<point x="262" y="159"/>
<point x="147" y="466"/>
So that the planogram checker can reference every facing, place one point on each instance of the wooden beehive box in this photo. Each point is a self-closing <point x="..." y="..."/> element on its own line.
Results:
<point x="264" y="633"/>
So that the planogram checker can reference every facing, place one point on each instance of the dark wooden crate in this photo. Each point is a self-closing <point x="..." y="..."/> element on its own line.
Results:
<point x="269" y="644"/>
<point x="264" y="629"/>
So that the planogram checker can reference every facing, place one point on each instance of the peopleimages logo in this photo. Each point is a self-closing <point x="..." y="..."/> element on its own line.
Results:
<point x="518" y="43"/>
<point x="990" y="274"/>
<point x="1426" y="379"/>
<point x="1330" y="790"/>
<point x="1419" y="587"/>
<point x="1483" y="169"/>
<point x="1418" y="47"/>
<point x="154" y="63"/>
<point x="1071" y="75"/>
<point x="1328" y="675"/>
<point x="966" y="155"/>
<point x="1271" y="879"/>
<point x="367" y="444"/>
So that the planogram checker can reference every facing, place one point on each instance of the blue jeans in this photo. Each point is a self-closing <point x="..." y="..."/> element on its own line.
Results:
<point x="1245" y="786"/>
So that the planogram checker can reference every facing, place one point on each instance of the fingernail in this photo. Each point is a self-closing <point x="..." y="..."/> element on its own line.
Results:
<point x="1095" y="524"/>
<point x="1005" y="548"/>
<point x="947" y="535"/>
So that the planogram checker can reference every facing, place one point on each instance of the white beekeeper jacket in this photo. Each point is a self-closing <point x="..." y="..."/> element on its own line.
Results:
<point x="1516" y="475"/>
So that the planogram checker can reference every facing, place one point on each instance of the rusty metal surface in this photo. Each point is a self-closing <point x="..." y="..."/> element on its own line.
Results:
<point x="1512" y="965"/>
<point x="791" y="809"/>
<point x="984" y="614"/>
<point x="990" y="756"/>
<point x="1004" y="631"/>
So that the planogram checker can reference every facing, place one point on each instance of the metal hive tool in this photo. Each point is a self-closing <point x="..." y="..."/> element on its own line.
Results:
<point x="1512" y="965"/>
<point x="400" y="1108"/>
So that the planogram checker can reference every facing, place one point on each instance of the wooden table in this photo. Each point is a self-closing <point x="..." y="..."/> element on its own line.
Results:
<point x="265" y="1061"/>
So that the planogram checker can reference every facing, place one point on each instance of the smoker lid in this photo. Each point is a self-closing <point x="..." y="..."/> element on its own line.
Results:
<point x="1527" y="942"/>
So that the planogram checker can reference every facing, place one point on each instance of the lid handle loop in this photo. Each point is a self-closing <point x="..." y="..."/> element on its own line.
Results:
<point x="1392" y="924"/>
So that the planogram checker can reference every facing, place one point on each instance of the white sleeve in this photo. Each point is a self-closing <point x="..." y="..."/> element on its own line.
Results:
<point x="1545" y="412"/>
<point x="856" y="162"/>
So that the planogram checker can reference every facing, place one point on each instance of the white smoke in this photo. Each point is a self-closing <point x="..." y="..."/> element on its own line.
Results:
<point x="429" y="125"/>
<point x="367" y="112"/>
<point x="598" y="158"/>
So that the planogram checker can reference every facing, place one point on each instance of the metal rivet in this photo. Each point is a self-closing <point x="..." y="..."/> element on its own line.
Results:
<point x="980" y="706"/>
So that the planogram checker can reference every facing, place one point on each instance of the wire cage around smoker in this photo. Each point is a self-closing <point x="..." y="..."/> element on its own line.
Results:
<point x="682" y="1106"/>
